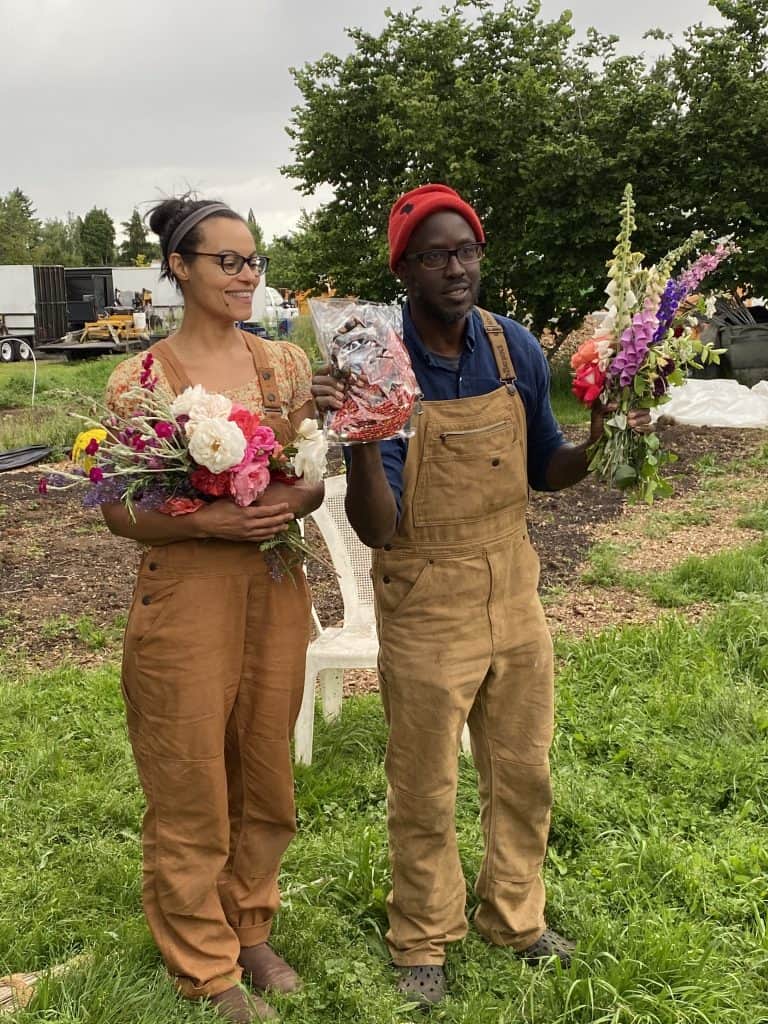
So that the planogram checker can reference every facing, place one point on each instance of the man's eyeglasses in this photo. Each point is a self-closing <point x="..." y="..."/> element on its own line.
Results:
<point x="232" y="263"/>
<point x="438" y="259"/>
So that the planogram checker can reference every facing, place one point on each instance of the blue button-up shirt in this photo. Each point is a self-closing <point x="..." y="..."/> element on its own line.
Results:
<point x="477" y="374"/>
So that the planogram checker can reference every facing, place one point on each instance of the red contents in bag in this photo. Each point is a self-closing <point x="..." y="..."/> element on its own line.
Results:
<point x="382" y="390"/>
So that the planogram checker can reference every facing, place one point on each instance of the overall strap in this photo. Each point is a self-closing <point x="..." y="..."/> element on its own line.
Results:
<point x="498" y="343"/>
<point x="174" y="372"/>
<point x="264" y="374"/>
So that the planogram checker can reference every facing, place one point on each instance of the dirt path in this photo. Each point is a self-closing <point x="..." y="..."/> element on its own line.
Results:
<point x="66" y="582"/>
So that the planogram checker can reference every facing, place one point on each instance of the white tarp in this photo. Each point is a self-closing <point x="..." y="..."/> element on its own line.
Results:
<point x="717" y="403"/>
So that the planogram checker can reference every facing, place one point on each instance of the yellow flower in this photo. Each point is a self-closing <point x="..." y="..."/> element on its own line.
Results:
<point x="82" y="441"/>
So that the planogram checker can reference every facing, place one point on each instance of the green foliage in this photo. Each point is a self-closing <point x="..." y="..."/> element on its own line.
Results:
<point x="137" y="250"/>
<point x="541" y="135"/>
<point x="256" y="233"/>
<point x="296" y="260"/>
<point x="19" y="229"/>
<point x="60" y="243"/>
<point x="97" y="237"/>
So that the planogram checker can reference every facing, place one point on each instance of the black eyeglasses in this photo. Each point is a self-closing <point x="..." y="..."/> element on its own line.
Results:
<point x="438" y="259"/>
<point x="232" y="262"/>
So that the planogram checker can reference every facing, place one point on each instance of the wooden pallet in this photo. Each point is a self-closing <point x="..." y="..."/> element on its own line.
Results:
<point x="16" y="990"/>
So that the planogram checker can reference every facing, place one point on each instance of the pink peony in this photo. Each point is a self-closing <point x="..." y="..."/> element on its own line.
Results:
<point x="248" y="483"/>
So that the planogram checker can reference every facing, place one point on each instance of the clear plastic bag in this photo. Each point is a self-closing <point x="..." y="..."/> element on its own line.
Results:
<point x="363" y="342"/>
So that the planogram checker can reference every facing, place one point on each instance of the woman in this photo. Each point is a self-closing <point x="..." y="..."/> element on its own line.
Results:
<point x="213" y="662"/>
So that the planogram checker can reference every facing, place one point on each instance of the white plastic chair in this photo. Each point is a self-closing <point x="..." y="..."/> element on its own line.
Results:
<point x="352" y="645"/>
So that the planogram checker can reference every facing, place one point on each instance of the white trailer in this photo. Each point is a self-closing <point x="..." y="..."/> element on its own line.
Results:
<point x="166" y="299"/>
<point x="33" y="309"/>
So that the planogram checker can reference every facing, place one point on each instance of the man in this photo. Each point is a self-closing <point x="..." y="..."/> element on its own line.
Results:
<point x="462" y="634"/>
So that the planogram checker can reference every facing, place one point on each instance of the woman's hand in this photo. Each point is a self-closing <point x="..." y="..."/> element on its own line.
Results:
<point x="300" y="498"/>
<point x="225" y="520"/>
<point x="328" y="391"/>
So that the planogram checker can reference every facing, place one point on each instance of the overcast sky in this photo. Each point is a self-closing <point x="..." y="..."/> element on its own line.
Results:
<point x="113" y="103"/>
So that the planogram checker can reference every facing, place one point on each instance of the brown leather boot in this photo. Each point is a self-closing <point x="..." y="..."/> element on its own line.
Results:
<point x="263" y="969"/>
<point x="240" y="1007"/>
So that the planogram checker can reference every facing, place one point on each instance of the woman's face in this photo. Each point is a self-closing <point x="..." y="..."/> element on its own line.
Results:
<point x="204" y="282"/>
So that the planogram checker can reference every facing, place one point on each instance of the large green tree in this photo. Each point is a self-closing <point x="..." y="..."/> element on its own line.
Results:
<point x="136" y="249"/>
<point x="540" y="134"/>
<point x="294" y="260"/>
<point x="256" y="232"/>
<point x="720" y="77"/>
<point x="59" y="242"/>
<point x="19" y="228"/>
<point x="97" y="236"/>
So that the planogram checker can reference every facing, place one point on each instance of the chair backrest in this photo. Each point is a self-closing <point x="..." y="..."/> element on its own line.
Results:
<point x="350" y="557"/>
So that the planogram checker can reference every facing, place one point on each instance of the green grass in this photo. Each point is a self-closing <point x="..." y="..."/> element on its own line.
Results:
<point x="755" y="518"/>
<point x="605" y="568"/>
<point x="568" y="410"/>
<point x="62" y="388"/>
<point x="658" y="857"/>
<point x="718" y="578"/>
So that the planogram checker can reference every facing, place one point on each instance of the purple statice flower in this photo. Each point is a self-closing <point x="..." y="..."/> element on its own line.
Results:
<point x="633" y="346"/>
<point x="109" y="490"/>
<point x="151" y="497"/>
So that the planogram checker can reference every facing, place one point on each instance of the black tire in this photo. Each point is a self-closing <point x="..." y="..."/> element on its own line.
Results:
<point x="23" y="350"/>
<point x="77" y="357"/>
<point x="8" y="350"/>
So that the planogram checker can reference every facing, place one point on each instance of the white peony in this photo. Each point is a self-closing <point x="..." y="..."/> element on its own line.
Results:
<point x="217" y="444"/>
<point x="311" y="449"/>
<point x="199" y="404"/>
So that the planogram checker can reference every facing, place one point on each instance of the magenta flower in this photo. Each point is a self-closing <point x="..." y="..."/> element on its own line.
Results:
<point x="164" y="429"/>
<point x="634" y="345"/>
<point x="96" y="475"/>
<point x="147" y="379"/>
<point x="92" y="447"/>
<point x="42" y="486"/>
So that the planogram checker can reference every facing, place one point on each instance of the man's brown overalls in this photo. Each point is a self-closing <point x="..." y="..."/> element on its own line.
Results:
<point x="463" y="638"/>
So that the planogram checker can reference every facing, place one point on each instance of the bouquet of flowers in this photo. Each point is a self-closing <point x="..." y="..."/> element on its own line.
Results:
<point x="363" y="342"/>
<point x="174" y="456"/>
<point x="639" y="350"/>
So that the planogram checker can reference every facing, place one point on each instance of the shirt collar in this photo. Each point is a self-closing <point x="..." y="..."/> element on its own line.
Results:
<point x="416" y="345"/>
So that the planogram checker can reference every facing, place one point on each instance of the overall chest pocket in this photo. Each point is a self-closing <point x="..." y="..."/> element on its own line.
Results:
<point x="468" y="474"/>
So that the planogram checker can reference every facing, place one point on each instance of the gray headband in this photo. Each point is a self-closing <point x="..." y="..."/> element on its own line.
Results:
<point x="194" y="218"/>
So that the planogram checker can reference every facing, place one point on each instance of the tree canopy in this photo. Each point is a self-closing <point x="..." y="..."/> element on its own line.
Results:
<point x="540" y="134"/>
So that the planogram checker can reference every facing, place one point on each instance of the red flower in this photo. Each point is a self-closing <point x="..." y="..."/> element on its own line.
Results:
<point x="96" y="475"/>
<point x="181" y="506"/>
<point x="247" y="421"/>
<point x="588" y="383"/>
<point x="92" y="447"/>
<point x="203" y="480"/>
<point x="42" y="486"/>
<point x="164" y="429"/>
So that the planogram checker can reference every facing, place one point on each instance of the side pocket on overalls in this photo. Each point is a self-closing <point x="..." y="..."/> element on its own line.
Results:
<point x="399" y="583"/>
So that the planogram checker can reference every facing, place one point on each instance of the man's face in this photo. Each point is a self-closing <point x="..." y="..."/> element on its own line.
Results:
<point x="447" y="294"/>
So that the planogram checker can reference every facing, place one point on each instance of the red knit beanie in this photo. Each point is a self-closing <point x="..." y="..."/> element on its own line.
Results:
<point x="415" y="206"/>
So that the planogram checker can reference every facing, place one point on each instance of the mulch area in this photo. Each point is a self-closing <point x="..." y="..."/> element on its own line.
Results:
<point x="58" y="562"/>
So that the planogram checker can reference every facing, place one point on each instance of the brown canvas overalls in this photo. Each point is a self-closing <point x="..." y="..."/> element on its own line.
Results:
<point x="213" y="671"/>
<point x="463" y="638"/>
